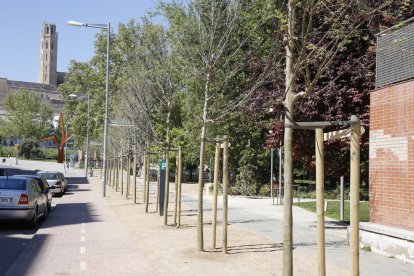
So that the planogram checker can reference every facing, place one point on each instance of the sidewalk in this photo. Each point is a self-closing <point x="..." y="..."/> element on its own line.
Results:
<point x="173" y="251"/>
<point x="82" y="236"/>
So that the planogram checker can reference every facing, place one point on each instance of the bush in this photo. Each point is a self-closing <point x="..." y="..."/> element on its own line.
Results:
<point x="264" y="190"/>
<point x="30" y="150"/>
<point x="7" y="151"/>
<point x="49" y="154"/>
<point x="246" y="180"/>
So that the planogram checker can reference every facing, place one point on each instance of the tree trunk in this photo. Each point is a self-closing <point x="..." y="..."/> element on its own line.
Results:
<point x="288" y="166"/>
<point x="167" y="166"/>
<point x="61" y="150"/>
<point x="200" y="237"/>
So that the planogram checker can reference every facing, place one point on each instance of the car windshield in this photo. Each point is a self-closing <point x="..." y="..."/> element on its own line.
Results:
<point x="49" y="175"/>
<point x="12" y="184"/>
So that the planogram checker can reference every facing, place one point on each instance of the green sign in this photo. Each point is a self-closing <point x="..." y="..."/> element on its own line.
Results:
<point x="163" y="165"/>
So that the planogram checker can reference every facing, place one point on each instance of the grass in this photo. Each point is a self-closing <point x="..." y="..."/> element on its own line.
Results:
<point x="333" y="209"/>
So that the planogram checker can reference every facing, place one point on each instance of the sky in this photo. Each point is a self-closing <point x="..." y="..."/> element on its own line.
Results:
<point x="21" y="22"/>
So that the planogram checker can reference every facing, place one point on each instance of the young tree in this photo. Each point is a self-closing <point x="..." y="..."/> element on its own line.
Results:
<point x="209" y="36"/>
<point x="317" y="33"/>
<point x="152" y="86"/>
<point x="27" y="115"/>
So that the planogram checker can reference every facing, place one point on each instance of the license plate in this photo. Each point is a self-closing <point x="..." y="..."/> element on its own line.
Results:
<point x="5" y="200"/>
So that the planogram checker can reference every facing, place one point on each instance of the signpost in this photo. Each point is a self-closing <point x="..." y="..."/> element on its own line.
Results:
<point x="17" y="150"/>
<point x="163" y="170"/>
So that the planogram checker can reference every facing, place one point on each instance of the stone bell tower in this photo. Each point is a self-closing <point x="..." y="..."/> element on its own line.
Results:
<point x="48" y="54"/>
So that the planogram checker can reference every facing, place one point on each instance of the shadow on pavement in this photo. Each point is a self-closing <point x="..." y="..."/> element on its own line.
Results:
<point x="69" y="214"/>
<point x="251" y="221"/>
<point x="77" y="180"/>
<point x="259" y="248"/>
<point x="32" y="249"/>
<point x="72" y="191"/>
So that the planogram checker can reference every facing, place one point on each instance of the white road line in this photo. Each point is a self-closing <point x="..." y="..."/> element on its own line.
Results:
<point x="82" y="249"/>
<point x="82" y="265"/>
<point x="83" y="231"/>
<point x="83" y="238"/>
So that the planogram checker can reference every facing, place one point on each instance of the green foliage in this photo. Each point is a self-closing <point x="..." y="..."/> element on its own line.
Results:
<point x="264" y="190"/>
<point x="246" y="180"/>
<point x="161" y="78"/>
<point x="28" y="149"/>
<point x="48" y="154"/>
<point x="27" y="115"/>
<point x="7" y="151"/>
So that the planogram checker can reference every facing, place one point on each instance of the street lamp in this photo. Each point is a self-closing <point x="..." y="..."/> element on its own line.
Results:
<point x="105" y="149"/>
<point x="87" y="134"/>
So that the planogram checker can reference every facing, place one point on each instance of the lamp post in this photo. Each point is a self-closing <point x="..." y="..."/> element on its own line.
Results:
<point x="105" y="149"/>
<point x="87" y="134"/>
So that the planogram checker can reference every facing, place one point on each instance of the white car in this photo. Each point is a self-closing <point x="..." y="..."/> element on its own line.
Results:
<point x="56" y="179"/>
<point x="21" y="198"/>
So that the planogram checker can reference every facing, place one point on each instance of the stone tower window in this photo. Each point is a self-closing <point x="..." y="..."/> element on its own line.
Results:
<point x="47" y="29"/>
<point x="47" y="45"/>
<point x="46" y="57"/>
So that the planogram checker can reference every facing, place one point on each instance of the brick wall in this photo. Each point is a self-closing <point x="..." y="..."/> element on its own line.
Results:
<point x="391" y="156"/>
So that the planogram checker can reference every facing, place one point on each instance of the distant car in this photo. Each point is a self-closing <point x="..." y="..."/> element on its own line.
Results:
<point x="21" y="198"/>
<point x="56" y="179"/>
<point x="45" y="187"/>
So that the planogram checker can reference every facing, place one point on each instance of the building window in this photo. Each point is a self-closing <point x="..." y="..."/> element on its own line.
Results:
<point x="46" y="57"/>
<point x="47" y="29"/>
<point x="46" y="68"/>
<point x="45" y="77"/>
<point x="47" y="45"/>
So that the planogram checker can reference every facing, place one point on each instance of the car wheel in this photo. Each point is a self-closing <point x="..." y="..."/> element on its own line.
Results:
<point x="34" y="222"/>
<point x="49" y="206"/>
<point x="45" y="214"/>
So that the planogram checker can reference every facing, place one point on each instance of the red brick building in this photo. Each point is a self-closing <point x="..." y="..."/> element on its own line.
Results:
<point x="391" y="156"/>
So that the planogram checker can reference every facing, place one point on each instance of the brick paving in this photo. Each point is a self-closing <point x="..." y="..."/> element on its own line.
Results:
<point x="82" y="236"/>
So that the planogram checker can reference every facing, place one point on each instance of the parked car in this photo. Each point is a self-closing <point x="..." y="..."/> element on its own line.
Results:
<point x="56" y="179"/>
<point x="21" y="198"/>
<point x="45" y="187"/>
